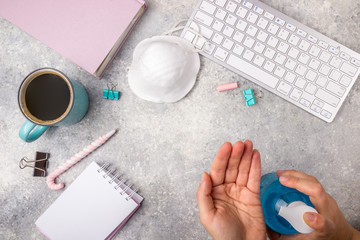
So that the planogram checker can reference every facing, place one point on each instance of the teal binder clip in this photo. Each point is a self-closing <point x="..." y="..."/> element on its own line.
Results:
<point x="111" y="93"/>
<point x="249" y="97"/>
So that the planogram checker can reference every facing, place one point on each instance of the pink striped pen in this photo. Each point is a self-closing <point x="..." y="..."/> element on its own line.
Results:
<point x="50" y="180"/>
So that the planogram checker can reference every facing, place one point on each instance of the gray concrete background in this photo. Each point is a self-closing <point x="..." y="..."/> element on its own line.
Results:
<point x="164" y="148"/>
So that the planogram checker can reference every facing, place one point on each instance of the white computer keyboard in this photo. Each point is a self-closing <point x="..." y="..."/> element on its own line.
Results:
<point x="273" y="50"/>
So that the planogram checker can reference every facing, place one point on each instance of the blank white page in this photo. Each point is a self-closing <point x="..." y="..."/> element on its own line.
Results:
<point x="90" y="208"/>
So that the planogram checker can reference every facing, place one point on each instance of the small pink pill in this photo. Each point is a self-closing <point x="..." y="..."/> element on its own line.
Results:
<point x="227" y="86"/>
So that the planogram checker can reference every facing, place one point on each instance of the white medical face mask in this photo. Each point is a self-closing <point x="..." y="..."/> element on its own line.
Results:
<point x="164" y="68"/>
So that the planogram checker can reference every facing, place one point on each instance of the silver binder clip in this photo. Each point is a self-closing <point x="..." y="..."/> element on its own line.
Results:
<point x="40" y="164"/>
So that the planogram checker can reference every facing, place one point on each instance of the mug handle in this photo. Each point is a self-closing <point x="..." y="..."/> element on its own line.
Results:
<point x="30" y="131"/>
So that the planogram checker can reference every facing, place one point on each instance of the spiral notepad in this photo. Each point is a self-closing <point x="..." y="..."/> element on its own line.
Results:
<point x="95" y="206"/>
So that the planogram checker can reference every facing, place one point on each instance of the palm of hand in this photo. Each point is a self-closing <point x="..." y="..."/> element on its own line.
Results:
<point x="228" y="198"/>
<point x="238" y="207"/>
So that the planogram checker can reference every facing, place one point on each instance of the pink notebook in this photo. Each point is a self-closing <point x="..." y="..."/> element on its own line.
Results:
<point x="88" y="32"/>
<point x="95" y="206"/>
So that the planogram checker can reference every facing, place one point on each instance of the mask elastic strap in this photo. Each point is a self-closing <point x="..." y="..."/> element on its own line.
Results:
<point x="197" y="33"/>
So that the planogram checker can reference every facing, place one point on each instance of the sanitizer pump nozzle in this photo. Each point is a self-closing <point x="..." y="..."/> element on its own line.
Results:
<point x="284" y="207"/>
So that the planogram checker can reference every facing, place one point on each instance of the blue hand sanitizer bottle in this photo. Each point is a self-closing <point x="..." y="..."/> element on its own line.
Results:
<point x="284" y="207"/>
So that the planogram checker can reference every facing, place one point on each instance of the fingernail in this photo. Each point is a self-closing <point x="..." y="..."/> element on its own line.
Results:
<point x="310" y="217"/>
<point x="203" y="177"/>
<point x="283" y="179"/>
<point x="279" y="172"/>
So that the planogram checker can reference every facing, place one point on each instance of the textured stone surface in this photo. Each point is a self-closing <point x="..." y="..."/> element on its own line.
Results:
<point x="164" y="148"/>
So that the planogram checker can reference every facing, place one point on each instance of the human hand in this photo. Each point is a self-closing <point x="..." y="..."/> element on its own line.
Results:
<point x="329" y="223"/>
<point x="228" y="197"/>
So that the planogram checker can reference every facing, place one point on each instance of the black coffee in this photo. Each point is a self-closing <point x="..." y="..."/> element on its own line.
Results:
<point x="47" y="97"/>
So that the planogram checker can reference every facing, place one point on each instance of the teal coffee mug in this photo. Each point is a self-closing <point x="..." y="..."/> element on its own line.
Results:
<point x="48" y="98"/>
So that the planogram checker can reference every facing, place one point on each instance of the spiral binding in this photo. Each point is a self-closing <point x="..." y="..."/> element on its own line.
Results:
<point x="118" y="179"/>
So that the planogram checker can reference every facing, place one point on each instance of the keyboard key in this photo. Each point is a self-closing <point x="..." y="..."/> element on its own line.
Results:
<point x="294" y="40"/>
<point x="217" y="38"/>
<point x="283" y="47"/>
<point x="300" y="83"/>
<point x="252" y="71"/>
<point x="221" y="54"/>
<point x="269" y="15"/>
<point x="269" y="66"/>
<point x="304" y="58"/>
<point x="249" y="42"/>
<point x="295" y="94"/>
<point x="326" y="114"/>
<point x="228" y="31"/>
<point x="314" y="64"/>
<point x="348" y="69"/>
<point x="273" y="28"/>
<point x="259" y="48"/>
<point x="247" y="4"/>
<point x="258" y="10"/>
<point x="231" y="6"/>
<point x="334" y="50"/>
<point x="189" y="36"/>
<point x="283" y="34"/>
<point x="262" y="36"/>
<point x="301" y="32"/>
<point x="208" y="7"/>
<point x="318" y="103"/>
<point x="204" y="31"/>
<point x="200" y="43"/>
<point x="269" y="53"/>
<point x="209" y="48"/>
<point x="238" y="36"/>
<point x="327" y="97"/>
<point x="280" y="21"/>
<point x="241" y="25"/>
<point x="284" y="88"/>
<point x="345" y="56"/>
<point x="311" y="75"/>
<point x="218" y="26"/>
<point x="345" y="81"/>
<point x="323" y="45"/>
<point x="231" y="19"/>
<point x="315" y="108"/>
<point x="259" y="60"/>
<point x="325" y="56"/>
<point x="252" y="17"/>
<point x="241" y="12"/>
<point x="336" y="89"/>
<point x="220" y="14"/>
<point x="325" y="69"/>
<point x="290" y="27"/>
<point x="321" y="81"/>
<point x="203" y="18"/>
<point x="252" y="31"/>
<point x="335" y="62"/>
<point x="238" y="49"/>
<point x="220" y="3"/>
<point x="279" y="71"/>
<point x="335" y="75"/>
<point x="228" y="44"/>
<point x="356" y="62"/>
<point x="280" y="59"/>
<point x="301" y="69"/>
<point x="314" y="50"/>
<point x="290" y="77"/>
<point x="262" y="23"/>
<point x="248" y="55"/>
<point x="293" y="52"/>
<point x="305" y="102"/>
<point x="304" y="45"/>
<point x="273" y="41"/>
<point x="310" y="88"/>
<point x="290" y="64"/>
<point x="312" y="39"/>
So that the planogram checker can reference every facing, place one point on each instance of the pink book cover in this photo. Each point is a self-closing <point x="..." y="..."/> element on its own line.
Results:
<point x="84" y="31"/>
